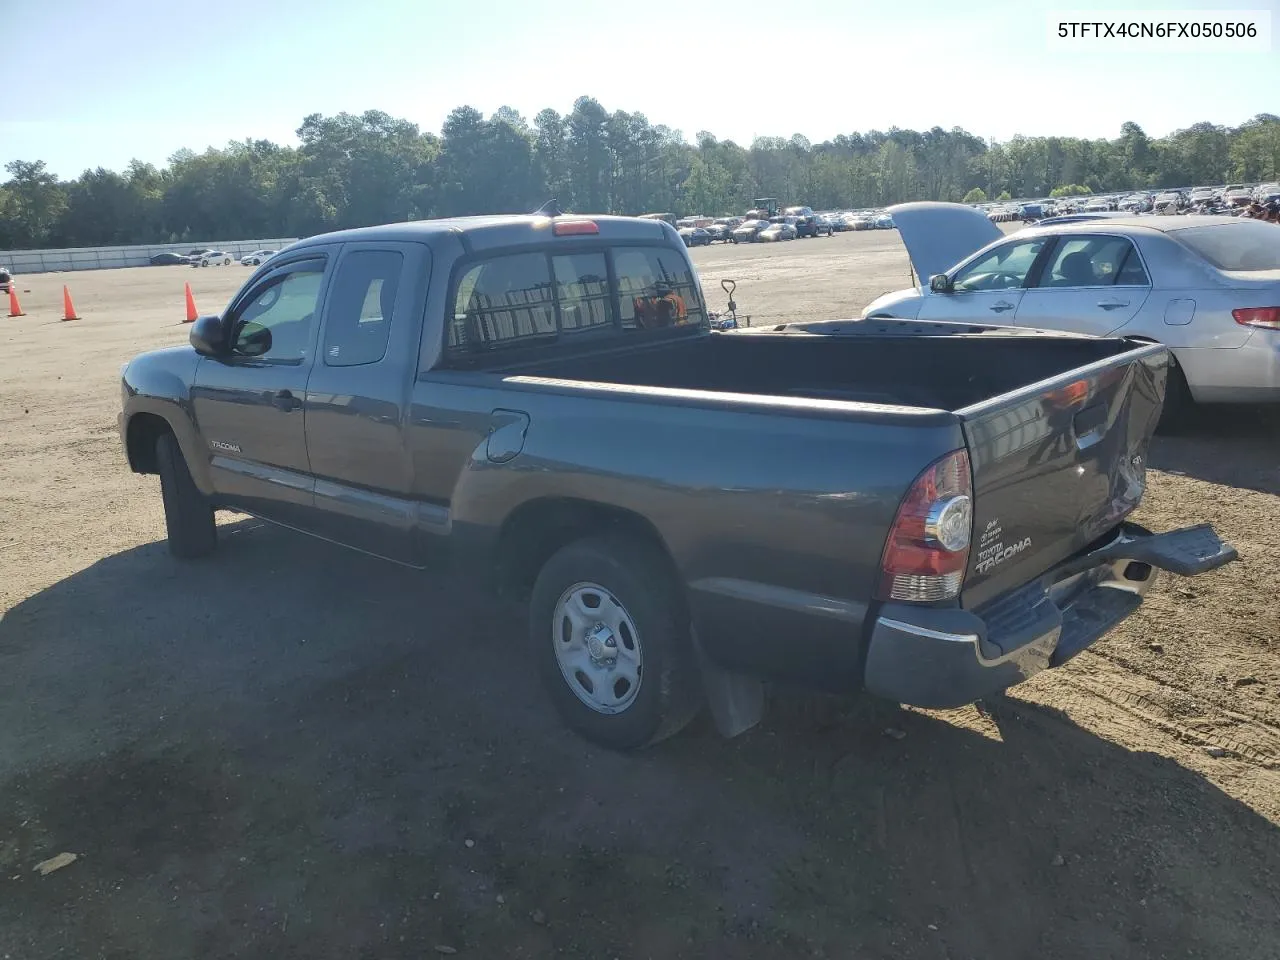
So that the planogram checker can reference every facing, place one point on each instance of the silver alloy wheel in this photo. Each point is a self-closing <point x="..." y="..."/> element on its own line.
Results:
<point x="597" y="647"/>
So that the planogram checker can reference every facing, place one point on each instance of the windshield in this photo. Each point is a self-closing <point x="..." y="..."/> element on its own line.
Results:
<point x="1247" y="246"/>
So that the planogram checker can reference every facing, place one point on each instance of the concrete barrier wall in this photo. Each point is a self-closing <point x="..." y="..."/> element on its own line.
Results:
<point x="102" y="258"/>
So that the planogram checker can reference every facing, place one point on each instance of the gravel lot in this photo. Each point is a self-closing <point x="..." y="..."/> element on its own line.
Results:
<point x="295" y="751"/>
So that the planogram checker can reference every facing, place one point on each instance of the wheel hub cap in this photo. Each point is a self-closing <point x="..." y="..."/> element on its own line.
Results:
<point x="597" y="647"/>
<point x="602" y="646"/>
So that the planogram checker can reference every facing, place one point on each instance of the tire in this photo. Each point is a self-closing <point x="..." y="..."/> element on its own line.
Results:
<point x="204" y="263"/>
<point x="1178" y="403"/>
<point x="188" y="516"/>
<point x="649" y="640"/>
<point x="226" y="262"/>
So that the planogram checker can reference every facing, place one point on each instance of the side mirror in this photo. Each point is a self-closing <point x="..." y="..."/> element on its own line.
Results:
<point x="208" y="336"/>
<point x="940" y="283"/>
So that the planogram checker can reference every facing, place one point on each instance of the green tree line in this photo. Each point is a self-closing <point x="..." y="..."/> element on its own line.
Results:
<point x="349" y="170"/>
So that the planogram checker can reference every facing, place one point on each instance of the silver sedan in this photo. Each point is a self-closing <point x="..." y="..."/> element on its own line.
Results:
<point x="1206" y="287"/>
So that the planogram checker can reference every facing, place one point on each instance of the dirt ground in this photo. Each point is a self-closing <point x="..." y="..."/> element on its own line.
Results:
<point x="294" y="751"/>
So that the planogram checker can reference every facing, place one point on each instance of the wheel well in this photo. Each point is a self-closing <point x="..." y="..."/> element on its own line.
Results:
<point x="140" y="441"/>
<point x="537" y="529"/>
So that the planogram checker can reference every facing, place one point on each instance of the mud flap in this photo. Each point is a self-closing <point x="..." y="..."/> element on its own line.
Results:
<point x="736" y="700"/>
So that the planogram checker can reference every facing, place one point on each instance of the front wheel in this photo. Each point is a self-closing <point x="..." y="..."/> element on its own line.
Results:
<point x="226" y="262"/>
<point x="611" y="641"/>
<point x="204" y="263"/>
<point x="188" y="516"/>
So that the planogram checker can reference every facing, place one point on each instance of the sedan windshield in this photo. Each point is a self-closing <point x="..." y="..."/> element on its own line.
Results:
<point x="1248" y="246"/>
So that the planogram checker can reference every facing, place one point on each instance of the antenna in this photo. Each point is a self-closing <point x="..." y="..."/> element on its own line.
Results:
<point x="549" y="209"/>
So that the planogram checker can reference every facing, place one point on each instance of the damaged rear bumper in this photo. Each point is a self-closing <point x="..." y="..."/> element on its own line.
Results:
<point x="932" y="657"/>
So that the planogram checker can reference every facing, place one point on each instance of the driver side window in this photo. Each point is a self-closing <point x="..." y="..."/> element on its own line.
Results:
<point x="277" y="322"/>
<point x="1004" y="268"/>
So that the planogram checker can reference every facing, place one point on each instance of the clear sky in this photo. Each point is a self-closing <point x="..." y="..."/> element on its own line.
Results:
<point x="86" y="83"/>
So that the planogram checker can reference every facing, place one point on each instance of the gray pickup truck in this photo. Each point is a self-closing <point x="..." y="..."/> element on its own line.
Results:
<point x="927" y="511"/>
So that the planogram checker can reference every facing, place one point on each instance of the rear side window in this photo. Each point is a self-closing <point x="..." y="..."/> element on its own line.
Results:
<point x="521" y="299"/>
<point x="1247" y="246"/>
<point x="1084" y="261"/>
<point x="655" y="289"/>
<point x="358" y="320"/>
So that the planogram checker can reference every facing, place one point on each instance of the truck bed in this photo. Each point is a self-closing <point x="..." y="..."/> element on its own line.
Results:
<point x="936" y="366"/>
<point x="1056" y="426"/>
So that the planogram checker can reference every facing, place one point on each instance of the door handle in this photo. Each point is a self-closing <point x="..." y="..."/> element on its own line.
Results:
<point x="286" y="401"/>
<point x="1002" y="306"/>
<point x="1112" y="304"/>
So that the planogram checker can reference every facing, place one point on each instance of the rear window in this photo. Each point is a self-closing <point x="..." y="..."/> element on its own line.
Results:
<point x="1247" y="246"/>
<point x="519" y="300"/>
<point x="505" y="301"/>
<point x="656" y="289"/>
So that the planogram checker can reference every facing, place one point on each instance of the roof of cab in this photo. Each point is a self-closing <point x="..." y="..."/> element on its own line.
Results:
<point x="497" y="231"/>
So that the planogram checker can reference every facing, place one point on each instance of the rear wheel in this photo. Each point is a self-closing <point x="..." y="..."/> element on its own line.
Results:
<point x="188" y="516"/>
<point x="611" y="641"/>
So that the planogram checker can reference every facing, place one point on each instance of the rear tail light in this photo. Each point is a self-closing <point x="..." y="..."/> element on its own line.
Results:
<point x="1258" y="317"/>
<point x="928" y="546"/>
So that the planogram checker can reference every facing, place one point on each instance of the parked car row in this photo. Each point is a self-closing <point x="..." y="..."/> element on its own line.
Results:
<point x="207" y="257"/>
<point x="860" y="220"/>
<point x="1228" y="199"/>
<point x="701" y="231"/>
<point x="792" y="223"/>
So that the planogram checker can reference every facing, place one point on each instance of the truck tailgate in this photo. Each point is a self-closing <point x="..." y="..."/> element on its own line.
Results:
<point x="1056" y="465"/>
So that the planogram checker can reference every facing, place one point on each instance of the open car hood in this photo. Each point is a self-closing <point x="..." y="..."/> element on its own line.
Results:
<point x="940" y="235"/>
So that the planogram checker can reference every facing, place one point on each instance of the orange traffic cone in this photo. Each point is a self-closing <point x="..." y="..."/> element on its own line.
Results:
<point x="68" y="311"/>
<point x="191" y="306"/>
<point x="15" y="308"/>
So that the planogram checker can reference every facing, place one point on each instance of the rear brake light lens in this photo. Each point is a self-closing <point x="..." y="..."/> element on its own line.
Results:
<point x="574" y="228"/>
<point x="927" y="549"/>
<point x="1258" y="317"/>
